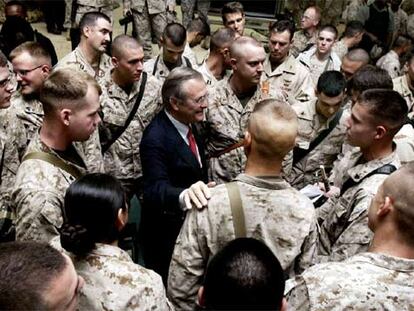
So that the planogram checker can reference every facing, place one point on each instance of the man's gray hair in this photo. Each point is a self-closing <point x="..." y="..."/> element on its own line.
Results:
<point x="173" y="85"/>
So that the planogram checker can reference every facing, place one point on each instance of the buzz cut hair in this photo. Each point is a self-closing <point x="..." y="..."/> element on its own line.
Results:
<point x="176" y="33"/>
<point x="283" y="25"/>
<point x="223" y="37"/>
<point x="331" y="28"/>
<point x="3" y="60"/>
<point x="34" y="49"/>
<point x="90" y="18"/>
<point x="63" y="85"/>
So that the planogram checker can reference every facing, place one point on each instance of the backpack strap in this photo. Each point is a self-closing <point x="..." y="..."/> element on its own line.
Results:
<point x="106" y="143"/>
<point x="187" y="61"/>
<point x="236" y="206"/>
<point x="299" y="153"/>
<point x="154" y="69"/>
<point x="55" y="161"/>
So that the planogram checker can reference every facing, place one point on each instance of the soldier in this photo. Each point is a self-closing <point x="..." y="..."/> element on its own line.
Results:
<point x="321" y="130"/>
<point x="121" y="97"/>
<point x="391" y="61"/>
<point x="352" y="61"/>
<point x="376" y="117"/>
<point x="70" y="101"/>
<point x="225" y="288"/>
<point x="400" y="19"/>
<point x="149" y="19"/>
<point x="188" y="8"/>
<point x="112" y="280"/>
<point x="378" y="22"/>
<point x="215" y="65"/>
<point x="352" y="37"/>
<point x="38" y="276"/>
<point x="265" y="208"/>
<point x="351" y="10"/>
<point x="32" y="65"/>
<point x="230" y="105"/>
<point x="321" y="57"/>
<point x="197" y="31"/>
<point x="90" y="55"/>
<point x="106" y="7"/>
<point x="380" y="279"/>
<point x="282" y="70"/>
<point x="306" y="37"/>
<point x="173" y="42"/>
<point x="12" y="146"/>
<point x="233" y="16"/>
<point x="405" y="83"/>
<point x="331" y="10"/>
<point x="410" y="26"/>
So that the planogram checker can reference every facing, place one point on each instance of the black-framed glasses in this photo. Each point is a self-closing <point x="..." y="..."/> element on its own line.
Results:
<point x="25" y="72"/>
<point x="4" y="82"/>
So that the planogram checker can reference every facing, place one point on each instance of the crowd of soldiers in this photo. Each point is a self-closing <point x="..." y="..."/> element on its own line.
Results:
<point x="307" y="148"/>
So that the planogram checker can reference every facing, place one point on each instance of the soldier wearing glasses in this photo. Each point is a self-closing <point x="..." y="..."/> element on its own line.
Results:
<point x="12" y="145"/>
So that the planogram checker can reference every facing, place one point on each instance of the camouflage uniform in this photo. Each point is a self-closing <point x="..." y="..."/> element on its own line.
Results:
<point x="28" y="112"/>
<point x="331" y="11"/>
<point x="38" y="195"/>
<point x="122" y="158"/>
<point x="401" y="86"/>
<point x="188" y="8"/>
<point x="149" y="20"/>
<point x="400" y="23"/>
<point x="301" y="41"/>
<point x="103" y="6"/>
<point x="78" y="60"/>
<point x="189" y="53"/>
<point x="410" y="26"/>
<point x="310" y="124"/>
<point x="391" y="63"/>
<point x="351" y="10"/>
<point x="408" y="6"/>
<point x="114" y="282"/>
<point x="209" y="78"/>
<point x="309" y="59"/>
<point x="274" y="213"/>
<point x="157" y="68"/>
<point x="344" y="230"/>
<point x="292" y="78"/>
<point x="12" y="146"/>
<point x="405" y="143"/>
<point x="226" y="121"/>
<point x="367" y="281"/>
<point x="340" y="49"/>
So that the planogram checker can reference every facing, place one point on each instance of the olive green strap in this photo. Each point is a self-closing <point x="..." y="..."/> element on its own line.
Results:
<point x="54" y="160"/>
<point x="236" y="206"/>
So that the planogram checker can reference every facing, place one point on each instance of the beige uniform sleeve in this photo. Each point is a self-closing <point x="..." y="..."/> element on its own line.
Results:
<point x="297" y="295"/>
<point x="188" y="264"/>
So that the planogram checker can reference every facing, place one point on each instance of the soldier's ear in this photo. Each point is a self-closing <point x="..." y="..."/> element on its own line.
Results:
<point x="122" y="219"/>
<point x="65" y="115"/>
<point x="114" y="61"/>
<point x="233" y="63"/>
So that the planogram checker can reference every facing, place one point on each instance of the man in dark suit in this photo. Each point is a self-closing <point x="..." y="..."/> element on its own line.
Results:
<point x="172" y="156"/>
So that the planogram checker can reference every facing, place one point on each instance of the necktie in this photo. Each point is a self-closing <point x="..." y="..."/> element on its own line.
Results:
<point x="192" y="143"/>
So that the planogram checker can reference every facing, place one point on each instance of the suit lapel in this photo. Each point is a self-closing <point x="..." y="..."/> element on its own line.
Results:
<point x="183" y="150"/>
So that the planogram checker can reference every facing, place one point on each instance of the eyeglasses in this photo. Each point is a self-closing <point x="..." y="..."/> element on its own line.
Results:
<point x="200" y="100"/>
<point x="5" y="82"/>
<point x="25" y="72"/>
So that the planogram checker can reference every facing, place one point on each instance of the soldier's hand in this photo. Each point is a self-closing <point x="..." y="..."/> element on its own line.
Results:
<point x="333" y="191"/>
<point x="198" y="194"/>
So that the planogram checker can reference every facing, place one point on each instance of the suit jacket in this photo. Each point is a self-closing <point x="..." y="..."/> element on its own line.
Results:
<point x="168" y="167"/>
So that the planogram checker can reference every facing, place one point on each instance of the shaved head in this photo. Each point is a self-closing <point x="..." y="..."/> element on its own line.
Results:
<point x="239" y="46"/>
<point x="398" y="186"/>
<point x="273" y="128"/>
<point x="123" y="42"/>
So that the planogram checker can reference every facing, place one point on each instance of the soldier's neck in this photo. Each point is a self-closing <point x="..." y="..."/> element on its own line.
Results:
<point x="378" y="150"/>
<point x="126" y="86"/>
<point x="257" y="166"/>
<point x="53" y="137"/>
<point x="239" y="86"/>
<point x="387" y="241"/>
<point x="216" y="66"/>
<point x="92" y="56"/>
